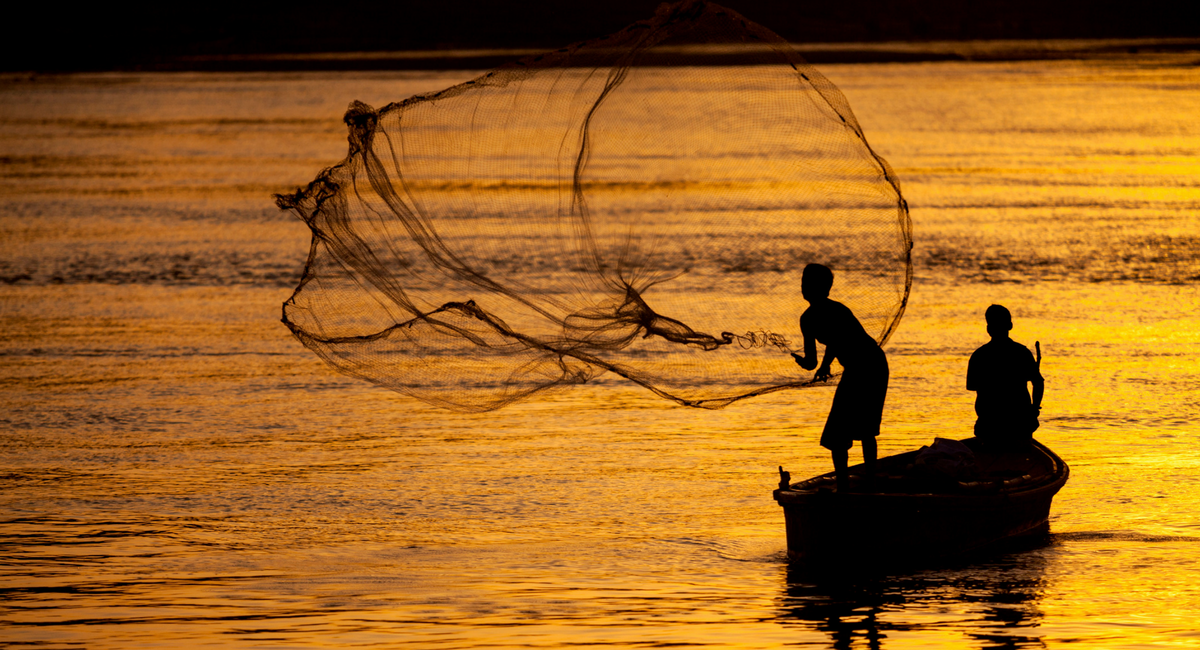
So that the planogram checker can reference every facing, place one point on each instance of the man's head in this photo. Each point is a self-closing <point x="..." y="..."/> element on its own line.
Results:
<point x="999" y="321"/>
<point x="816" y="282"/>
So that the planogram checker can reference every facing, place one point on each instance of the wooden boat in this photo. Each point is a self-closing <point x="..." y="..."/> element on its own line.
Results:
<point x="903" y="514"/>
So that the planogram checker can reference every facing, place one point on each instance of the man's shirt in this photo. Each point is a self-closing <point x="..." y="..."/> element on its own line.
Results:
<point x="999" y="372"/>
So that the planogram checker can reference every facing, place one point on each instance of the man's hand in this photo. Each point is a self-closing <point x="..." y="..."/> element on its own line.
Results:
<point x="822" y="374"/>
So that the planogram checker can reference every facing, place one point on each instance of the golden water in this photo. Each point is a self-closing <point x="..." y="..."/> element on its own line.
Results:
<point x="177" y="471"/>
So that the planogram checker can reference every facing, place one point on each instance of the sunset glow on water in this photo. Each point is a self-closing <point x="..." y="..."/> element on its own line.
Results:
<point x="178" y="471"/>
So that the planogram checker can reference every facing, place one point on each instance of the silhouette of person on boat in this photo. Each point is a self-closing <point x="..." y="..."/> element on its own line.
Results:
<point x="858" y="403"/>
<point x="949" y="498"/>
<point x="1000" y="372"/>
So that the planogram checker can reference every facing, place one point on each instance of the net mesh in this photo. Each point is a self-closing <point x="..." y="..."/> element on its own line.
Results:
<point x="619" y="206"/>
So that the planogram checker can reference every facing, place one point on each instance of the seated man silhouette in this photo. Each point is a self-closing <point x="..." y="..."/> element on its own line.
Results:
<point x="999" y="372"/>
<point x="858" y="402"/>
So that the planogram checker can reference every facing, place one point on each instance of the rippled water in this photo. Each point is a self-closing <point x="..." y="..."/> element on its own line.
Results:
<point x="178" y="471"/>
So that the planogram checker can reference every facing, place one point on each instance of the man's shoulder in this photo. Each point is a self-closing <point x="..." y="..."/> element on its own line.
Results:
<point x="826" y="309"/>
<point x="1000" y="354"/>
<point x="1018" y="349"/>
<point x="1007" y="347"/>
<point x="986" y="350"/>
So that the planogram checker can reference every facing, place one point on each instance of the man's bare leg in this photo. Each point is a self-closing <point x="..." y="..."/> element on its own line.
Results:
<point x="870" y="452"/>
<point x="841" y="460"/>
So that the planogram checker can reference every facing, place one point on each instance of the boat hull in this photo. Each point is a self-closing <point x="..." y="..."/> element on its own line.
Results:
<point x="823" y="523"/>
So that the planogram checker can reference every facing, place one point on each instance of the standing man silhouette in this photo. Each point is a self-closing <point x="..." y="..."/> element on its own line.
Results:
<point x="1000" y="372"/>
<point x="858" y="402"/>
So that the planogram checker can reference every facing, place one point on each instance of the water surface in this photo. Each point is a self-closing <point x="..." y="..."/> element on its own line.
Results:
<point x="178" y="471"/>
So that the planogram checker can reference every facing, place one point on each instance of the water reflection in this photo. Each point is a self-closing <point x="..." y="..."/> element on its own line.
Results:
<point x="994" y="603"/>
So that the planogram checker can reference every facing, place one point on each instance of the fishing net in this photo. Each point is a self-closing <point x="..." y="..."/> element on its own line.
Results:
<point x="638" y="207"/>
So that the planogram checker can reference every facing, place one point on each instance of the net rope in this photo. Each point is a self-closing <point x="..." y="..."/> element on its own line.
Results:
<point x="620" y="207"/>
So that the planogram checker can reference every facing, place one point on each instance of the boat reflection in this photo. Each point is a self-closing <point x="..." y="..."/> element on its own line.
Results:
<point x="990" y="604"/>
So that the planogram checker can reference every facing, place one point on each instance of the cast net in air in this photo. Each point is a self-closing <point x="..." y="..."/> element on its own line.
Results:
<point x="621" y="207"/>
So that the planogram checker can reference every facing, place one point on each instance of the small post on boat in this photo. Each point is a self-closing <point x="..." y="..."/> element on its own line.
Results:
<point x="785" y="479"/>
